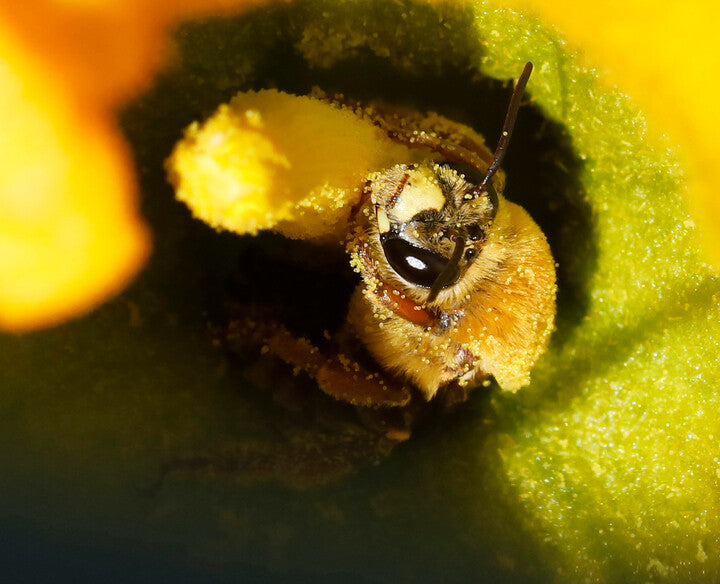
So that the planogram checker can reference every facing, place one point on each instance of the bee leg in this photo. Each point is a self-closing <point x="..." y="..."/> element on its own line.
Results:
<point x="451" y="395"/>
<point x="338" y="376"/>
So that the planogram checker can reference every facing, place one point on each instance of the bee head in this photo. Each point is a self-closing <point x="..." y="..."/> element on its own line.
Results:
<point x="432" y="220"/>
<point x="423" y="225"/>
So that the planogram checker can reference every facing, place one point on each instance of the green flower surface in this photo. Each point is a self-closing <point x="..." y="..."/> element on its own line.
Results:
<point x="604" y="469"/>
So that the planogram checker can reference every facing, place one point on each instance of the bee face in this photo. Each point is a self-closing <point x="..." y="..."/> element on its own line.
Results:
<point x="426" y="224"/>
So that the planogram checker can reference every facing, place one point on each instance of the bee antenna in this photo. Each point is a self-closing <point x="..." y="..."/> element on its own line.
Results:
<point x="508" y="126"/>
<point x="450" y="273"/>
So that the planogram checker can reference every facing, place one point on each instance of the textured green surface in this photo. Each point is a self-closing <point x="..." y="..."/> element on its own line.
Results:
<point x="613" y="451"/>
<point x="605" y="469"/>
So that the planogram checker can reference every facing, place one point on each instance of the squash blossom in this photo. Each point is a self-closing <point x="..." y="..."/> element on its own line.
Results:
<point x="605" y="469"/>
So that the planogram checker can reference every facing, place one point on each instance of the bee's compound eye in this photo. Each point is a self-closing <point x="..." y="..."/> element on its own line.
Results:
<point x="471" y="174"/>
<point x="417" y="265"/>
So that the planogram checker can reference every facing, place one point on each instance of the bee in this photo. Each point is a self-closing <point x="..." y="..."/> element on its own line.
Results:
<point x="458" y="282"/>
<point x="458" y="285"/>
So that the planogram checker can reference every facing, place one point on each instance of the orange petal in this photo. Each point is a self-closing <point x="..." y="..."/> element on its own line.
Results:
<point x="69" y="234"/>
<point x="70" y="231"/>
